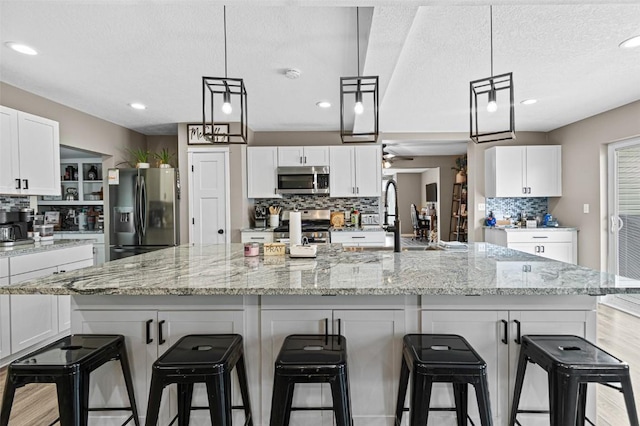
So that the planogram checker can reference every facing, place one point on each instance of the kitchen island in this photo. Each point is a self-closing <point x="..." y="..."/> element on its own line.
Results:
<point x="489" y="294"/>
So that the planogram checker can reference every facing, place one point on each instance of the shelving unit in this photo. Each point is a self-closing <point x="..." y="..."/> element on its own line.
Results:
<point x="458" y="227"/>
<point x="82" y="177"/>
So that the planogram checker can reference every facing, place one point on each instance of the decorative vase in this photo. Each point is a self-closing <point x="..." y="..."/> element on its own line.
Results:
<point x="143" y="165"/>
<point x="461" y="177"/>
<point x="165" y="166"/>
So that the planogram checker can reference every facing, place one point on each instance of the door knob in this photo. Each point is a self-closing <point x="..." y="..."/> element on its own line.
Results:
<point x="220" y="231"/>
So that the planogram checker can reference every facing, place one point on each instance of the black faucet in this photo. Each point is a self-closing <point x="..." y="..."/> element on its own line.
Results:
<point x="396" y="221"/>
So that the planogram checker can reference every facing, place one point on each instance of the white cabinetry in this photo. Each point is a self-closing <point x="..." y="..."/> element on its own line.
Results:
<point x="81" y="179"/>
<point x="262" y="163"/>
<point x="303" y="156"/>
<point x="99" y="247"/>
<point x="523" y="171"/>
<point x="5" y="325"/>
<point x="30" y="160"/>
<point x="355" y="171"/>
<point x="495" y="336"/>
<point x="359" y="238"/>
<point x="256" y="237"/>
<point x="561" y="245"/>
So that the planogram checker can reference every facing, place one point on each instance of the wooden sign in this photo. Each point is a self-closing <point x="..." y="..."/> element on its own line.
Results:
<point x="274" y="249"/>
<point x="195" y="135"/>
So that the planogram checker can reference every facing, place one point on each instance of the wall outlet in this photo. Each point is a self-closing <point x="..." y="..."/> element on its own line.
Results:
<point x="482" y="207"/>
<point x="585" y="208"/>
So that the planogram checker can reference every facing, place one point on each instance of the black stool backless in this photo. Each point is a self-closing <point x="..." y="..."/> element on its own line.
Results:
<point x="311" y="358"/>
<point x="201" y="358"/>
<point x="571" y="362"/>
<point x="68" y="363"/>
<point x="441" y="358"/>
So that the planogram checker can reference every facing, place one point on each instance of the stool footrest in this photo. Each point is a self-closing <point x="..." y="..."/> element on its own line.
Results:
<point x="126" y="422"/>
<point x="311" y="408"/>
<point x="233" y="407"/>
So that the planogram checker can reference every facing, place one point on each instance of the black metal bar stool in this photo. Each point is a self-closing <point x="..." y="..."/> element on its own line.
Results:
<point x="441" y="358"/>
<point x="201" y="358"/>
<point x="68" y="363"/>
<point x="571" y="362"/>
<point x="311" y="358"/>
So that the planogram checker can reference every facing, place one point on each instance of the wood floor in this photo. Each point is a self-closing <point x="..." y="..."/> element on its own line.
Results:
<point x="618" y="333"/>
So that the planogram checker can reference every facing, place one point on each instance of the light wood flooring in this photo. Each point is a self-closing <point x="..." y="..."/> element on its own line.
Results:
<point x="618" y="333"/>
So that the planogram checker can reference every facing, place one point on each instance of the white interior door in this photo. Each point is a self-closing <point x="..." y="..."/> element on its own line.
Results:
<point x="209" y="197"/>
<point x="624" y="213"/>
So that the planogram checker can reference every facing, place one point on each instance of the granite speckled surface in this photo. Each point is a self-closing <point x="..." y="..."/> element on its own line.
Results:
<point x="41" y="246"/>
<point x="482" y="269"/>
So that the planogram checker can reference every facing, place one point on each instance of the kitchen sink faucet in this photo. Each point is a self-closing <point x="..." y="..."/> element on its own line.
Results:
<point x="396" y="221"/>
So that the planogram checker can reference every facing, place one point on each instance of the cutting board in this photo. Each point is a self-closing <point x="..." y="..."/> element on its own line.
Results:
<point x="337" y="219"/>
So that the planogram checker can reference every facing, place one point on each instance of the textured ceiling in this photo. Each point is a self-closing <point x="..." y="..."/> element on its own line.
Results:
<point x="98" y="56"/>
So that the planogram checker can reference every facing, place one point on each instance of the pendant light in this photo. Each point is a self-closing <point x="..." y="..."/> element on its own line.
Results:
<point x="361" y="91"/>
<point x="492" y="116"/>
<point x="224" y="90"/>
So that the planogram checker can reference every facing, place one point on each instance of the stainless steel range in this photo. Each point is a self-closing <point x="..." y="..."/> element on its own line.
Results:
<point x="315" y="226"/>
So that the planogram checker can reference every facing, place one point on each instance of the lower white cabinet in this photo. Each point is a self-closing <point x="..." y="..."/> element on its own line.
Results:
<point x="374" y="346"/>
<point x="256" y="237"/>
<point x="99" y="247"/>
<point x="148" y="334"/>
<point x="5" y="327"/>
<point x="561" y="245"/>
<point x="359" y="238"/>
<point x="495" y="334"/>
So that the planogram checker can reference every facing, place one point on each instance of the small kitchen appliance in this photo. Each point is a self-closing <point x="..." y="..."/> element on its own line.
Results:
<point x="260" y="217"/>
<point x="303" y="180"/>
<point x="13" y="231"/>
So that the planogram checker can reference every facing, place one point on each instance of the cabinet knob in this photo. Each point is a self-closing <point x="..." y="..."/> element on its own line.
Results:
<point x="25" y="183"/>
<point x="220" y="231"/>
<point x="17" y="183"/>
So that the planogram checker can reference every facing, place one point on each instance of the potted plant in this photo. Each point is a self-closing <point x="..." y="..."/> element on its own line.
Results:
<point x="141" y="157"/>
<point x="461" y="168"/>
<point x="164" y="158"/>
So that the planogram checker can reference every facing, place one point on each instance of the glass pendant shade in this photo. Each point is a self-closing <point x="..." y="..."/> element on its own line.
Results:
<point x="492" y="116"/>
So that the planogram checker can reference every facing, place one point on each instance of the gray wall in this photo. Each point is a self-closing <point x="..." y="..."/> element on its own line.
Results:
<point x="409" y="190"/>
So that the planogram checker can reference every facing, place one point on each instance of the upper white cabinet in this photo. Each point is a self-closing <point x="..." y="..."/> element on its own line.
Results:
<point x="262" y="163"/>
<point x="303" y="156"/>
<point x="29" y="154"/>
<point x="355" y="171"/>
<point x="523" y="171"/>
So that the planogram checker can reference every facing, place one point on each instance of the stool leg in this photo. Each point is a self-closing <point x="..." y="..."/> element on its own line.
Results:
<point x="7" y="399"/>
<point x="281" y="401"/>
<point x="291" y="386"/>
<point x="126" y="373"/>
<point x="517" y="390"/>
<point x="582" y="404"/>
<point x="420" y="398"/>
<point x="244" y="390"/>
<point x="155" y="397"/>
<point x="70" y="400"/>
<point x="402" y="391"/>
<point x="569" y="397"/>
<point x="460" y="394"/>
<point x="627" y="391"/>
<point x="219" y="394"/>
<point x="185" y="393"/>
<point x="484" y="406"/>
<point x="555" y="406"/>
<point x="341" y="400"/>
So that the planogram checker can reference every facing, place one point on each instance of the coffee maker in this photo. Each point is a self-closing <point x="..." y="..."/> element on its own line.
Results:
<point x="13" y="230"/>
<point x="260" y="217"/>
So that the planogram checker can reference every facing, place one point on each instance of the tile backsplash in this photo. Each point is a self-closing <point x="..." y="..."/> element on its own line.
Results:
<point x="8" y="202"/>
<point x="303" y="202"/>
<point x="512" y="207"/>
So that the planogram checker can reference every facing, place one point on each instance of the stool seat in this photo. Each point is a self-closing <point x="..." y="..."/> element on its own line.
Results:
<point x="441" y="358"/>
<point x="571" y="362"/>
<point x="311" y="358"/>
<point x="201" y="358"/>
<point x="68" y="363"/>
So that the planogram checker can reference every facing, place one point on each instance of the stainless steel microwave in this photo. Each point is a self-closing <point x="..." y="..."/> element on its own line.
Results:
<point x="303" y="180"/>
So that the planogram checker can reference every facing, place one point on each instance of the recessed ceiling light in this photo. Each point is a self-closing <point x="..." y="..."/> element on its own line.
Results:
<point x="22" y="48"/>
<point x="529" y="101"/>
<point x="324" y="104"/>
<point x="631" y="42"/>
<point x="136" y="105"/>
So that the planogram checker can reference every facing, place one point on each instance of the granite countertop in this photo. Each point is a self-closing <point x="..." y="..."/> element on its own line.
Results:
<point x="482" y="269"/>
<point x="41" y="246"/>
<point x="257" y="229"/>
<point x="78" y="232"/>
<point x="354" y="229"/>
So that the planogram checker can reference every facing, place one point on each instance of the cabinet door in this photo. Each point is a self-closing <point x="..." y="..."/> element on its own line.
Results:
<point x="5" y="327"/>
<point x="530" y="248"/>
<point x="180" y="323"/>
<point x="261" y="172"/>
<point x="9" y="155"/>
<point x="484" y="330"/>
<point x="275" y="326"/>
<point x="509" y="171"/>
<point x="64" y="302"/>
<point x="535" y="394"/>
<point x="290" y="156"/>
<point x="39" y="155"/>
<point x="256" y="237"/>
<point x="316" y="156"/>
<point x="544" y="171"/>
<point x="341" y="169"/>
<point x="562" y="252"/>
<point x="107" y="385"/>
<point x="368" y="171"/>
<point x="374" y="345"/>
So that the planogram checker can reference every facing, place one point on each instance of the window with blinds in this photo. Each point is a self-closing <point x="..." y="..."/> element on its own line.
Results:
<point x="628" y="200"/>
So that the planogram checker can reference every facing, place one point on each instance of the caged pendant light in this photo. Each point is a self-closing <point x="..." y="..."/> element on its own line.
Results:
<point x="361" y="91"/>
<point x="491" y="111"/>
<point x="218" y="95"/>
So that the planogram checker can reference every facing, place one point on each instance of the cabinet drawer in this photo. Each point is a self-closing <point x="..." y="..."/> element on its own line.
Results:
<point x="358" y="237"/>
<point x="50" y="259"/>
<point x="540" y="237"/>
<point x="257" y="237"/>
<point x="4" y="267"/>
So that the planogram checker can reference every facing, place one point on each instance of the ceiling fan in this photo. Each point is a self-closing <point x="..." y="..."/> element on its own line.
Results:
<point x="388" y="156"/>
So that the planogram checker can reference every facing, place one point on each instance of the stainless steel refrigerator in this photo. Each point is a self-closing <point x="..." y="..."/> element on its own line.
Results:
<point x="144" y="208"/>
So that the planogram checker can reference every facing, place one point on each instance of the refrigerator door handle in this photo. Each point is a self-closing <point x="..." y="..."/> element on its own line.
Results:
<point x="136" y="210"/>
<point x="143" y="206"/>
